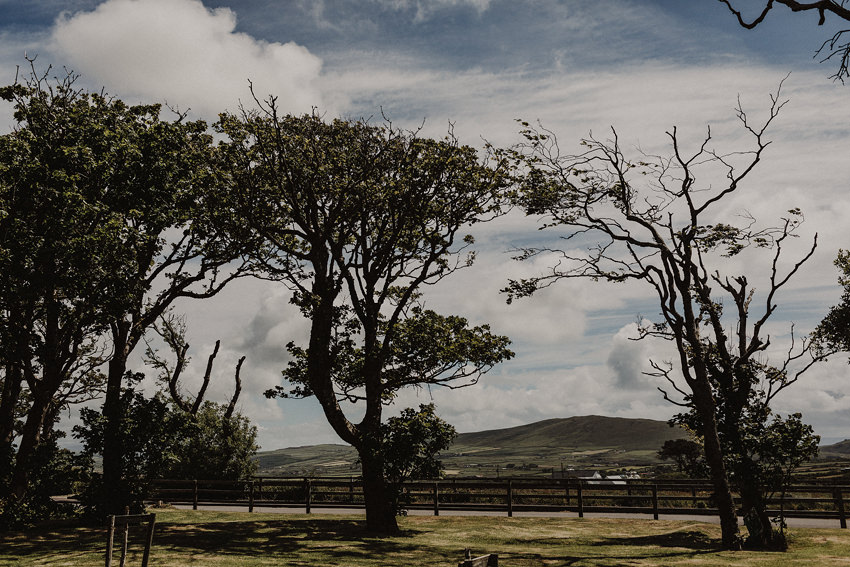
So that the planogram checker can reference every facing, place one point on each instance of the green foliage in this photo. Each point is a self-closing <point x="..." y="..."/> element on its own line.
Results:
<point x="761" y="450"/>
<point x="162" y="441"/>
<point x="833" y="333"/>
<point x="107" y="217"/>
<point x="414" y="358"/>
<point x="411" y="443"/>
<point x="688" y="456"/>
<point x="54" y="471"/>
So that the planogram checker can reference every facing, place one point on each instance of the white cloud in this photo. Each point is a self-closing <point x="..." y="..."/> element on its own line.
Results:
<point x="180" y="52"/>
<point x="572" y="354"/>
<point x="426" y="8"/>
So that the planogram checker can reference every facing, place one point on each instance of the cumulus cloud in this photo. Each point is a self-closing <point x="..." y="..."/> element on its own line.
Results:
<point x="183" y="53"/>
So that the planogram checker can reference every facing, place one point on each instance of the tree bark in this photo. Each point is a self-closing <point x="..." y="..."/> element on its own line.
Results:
<point x="704" y="403"/>
<point x="380" y="514"/>
<point x="12" y="383"/>
<point x="30" y="438"/>
<point x="114" y="499"/>
<point x="42" y="392"/>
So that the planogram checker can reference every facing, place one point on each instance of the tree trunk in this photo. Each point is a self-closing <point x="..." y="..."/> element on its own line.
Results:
<point x="380" y="515"/>
<point x="12" y="382"/>
<point x="754" y="506"/>
<point x="114" y="496"/>
<point x="30" y="438"/>
<point x="723" y="499"/>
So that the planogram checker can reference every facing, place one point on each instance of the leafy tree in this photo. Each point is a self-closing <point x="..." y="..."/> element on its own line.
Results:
<point x="652" y="221"/>
<point x="108" y="216"/>
<point x="63" y="270"/>
<point x="833" y="48"/>
<point x="356" y="219"/>
<point x="411" y="444"/>
<point x="688" y="456"/>
<point x="761" y="450"/>
<point x="160" y="440"/>
<point x="833" y="333"/>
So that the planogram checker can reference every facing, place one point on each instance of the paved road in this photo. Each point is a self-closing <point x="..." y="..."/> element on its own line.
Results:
<point x="792" y="522"/>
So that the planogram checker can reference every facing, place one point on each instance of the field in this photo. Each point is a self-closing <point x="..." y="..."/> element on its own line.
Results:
<point x="238" y="539"/>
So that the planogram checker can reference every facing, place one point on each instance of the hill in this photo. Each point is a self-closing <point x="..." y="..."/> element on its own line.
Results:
<point x="586" y="442"/>
<point x="840" y="449"/>
<point x="591" y="431"/>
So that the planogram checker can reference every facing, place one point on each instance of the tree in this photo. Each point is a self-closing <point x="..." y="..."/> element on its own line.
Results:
<point x="833" y="48"/>
<point x="63" y="267"/>
<point x="761" y="450"/>
<point x="411" y="443"/>
<point x="160" y="440"/>
<point x="833" y="333"/>
<point x="110" y="216"/>
<point x="688" y="456"/>
<point x="171" y="195"/>
<point x="651" y="221"/>
<point x="356" y="219"/>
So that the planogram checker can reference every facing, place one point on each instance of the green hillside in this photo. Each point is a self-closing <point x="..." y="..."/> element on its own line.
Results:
<point x="587" y="443"/>
<point x="840" y="449"/>
<point x="591" y="431"/>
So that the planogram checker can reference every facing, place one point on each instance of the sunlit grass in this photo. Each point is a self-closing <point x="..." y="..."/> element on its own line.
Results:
<point x="225" y="539"/>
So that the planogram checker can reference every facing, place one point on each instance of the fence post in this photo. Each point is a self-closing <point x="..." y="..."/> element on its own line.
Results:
<point x="510" y="499"/>
<point x="126" y="538"/>
<point x="580" y="500"/>
<point x="149" y="541"/>
<point x="839" y="504"/>
<point x="250" y="496"/>
<point x="567" y="491"/>
<point x="351" y="490"/>
<point x="307" y="490"/>
<point x="260" y="489"/>
<point x="436" y="498"/>
<point x="694" y="495"/>
<point x="654" y="501"/>
<point x="109" y="540"/>
<point x="195" y="495"/>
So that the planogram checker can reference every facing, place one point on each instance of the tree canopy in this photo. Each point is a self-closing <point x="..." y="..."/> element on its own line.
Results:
<point x="833" y="333"/>
<point x="107" y="218"/>
<point x="357" y="218"/>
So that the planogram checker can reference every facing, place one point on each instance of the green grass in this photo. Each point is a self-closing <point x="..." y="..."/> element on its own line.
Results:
<point x="251" y="540"/>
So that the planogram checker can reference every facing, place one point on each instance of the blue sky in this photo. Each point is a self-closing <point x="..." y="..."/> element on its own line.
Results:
<point x="640" y="66"/>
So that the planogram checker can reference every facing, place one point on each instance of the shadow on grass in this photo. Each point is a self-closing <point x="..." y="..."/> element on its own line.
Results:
<point x="271" y="536"/>
<point x="693" y="540"/>
<point x="339" y="539"/>
<point x="65" y="540"/>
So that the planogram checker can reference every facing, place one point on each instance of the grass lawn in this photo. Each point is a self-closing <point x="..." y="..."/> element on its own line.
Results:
<point x="225" y="539"/>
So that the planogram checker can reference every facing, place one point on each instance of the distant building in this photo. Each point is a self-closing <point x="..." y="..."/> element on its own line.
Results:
<point x="595" y="477"/>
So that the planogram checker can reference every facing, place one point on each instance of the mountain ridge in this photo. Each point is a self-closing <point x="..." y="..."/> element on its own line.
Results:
<point x="579" y="441"/>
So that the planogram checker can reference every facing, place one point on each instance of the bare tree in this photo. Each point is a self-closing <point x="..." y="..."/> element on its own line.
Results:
<point x="834" y="48"/>
<point x="652" y="221"/>
<point x="172" y="330"/>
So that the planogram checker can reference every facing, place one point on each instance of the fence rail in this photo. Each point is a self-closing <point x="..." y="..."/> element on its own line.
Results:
<point x="506" y="495"/>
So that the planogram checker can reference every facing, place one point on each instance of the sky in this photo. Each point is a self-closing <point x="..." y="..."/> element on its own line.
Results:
<point x="640" y="67"/>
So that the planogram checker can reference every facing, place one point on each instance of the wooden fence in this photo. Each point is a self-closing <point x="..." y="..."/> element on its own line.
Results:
<point x="503" y="495"/>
